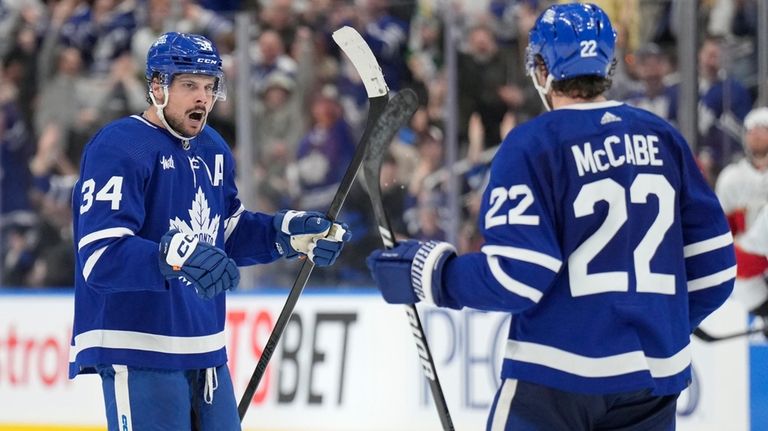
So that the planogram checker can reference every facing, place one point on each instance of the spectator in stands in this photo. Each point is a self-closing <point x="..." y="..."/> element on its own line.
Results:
<point x="36" y="247"/>
<point x="387" y="36"/>
<point x="270" y="58"/>
<point x="425" y="200"/>
<point x="723" y="104"/>
<point x="207" y="22"/>
<point x="154" y="22"/>
<point x="15" y="15"/>
<point x="101" y="30"/>
<point x="323" y="153"/>
<point x="18" y="255"/>
<point x="321" y="159"/>
<point x="736" y="23"/>
<point x="15" y="153"/>
<point x="29" y="87"/>
<point x="123" y="94"/>
<point x="429" y="222"/>
<point x="653" y="69"/>
<point x="511" y="23"/>
<point x="55" y="262"/>
<point x="62" y="119"/>
<point x="278" y="125"/>
<point x="224" y="7"/>
<point x="280" y="17"/>
<point x="484" y="73"/>
<point x="426" y="48"/>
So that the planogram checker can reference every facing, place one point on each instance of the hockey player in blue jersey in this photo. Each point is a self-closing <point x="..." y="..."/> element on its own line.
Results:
<point x="601" y="238"/>
<point x="159" y="233"/>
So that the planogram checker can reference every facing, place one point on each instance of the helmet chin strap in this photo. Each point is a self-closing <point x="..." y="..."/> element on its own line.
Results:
<point x="160" y="109"/>
<point x="542" y="90"/>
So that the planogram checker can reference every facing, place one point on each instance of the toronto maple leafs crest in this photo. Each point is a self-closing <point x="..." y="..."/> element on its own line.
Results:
<point x="201" y="224"/>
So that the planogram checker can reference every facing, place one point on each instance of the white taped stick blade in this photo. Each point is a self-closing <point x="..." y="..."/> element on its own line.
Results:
<point x="359" y="53"/>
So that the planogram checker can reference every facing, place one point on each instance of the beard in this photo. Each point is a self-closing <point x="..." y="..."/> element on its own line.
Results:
<point x="177" y="124"/>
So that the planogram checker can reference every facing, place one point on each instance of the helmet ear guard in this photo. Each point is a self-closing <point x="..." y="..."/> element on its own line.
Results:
<point x="542" y="89"/>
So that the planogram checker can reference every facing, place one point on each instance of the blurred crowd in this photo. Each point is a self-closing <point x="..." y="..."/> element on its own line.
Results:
<point x="70" y="66"/>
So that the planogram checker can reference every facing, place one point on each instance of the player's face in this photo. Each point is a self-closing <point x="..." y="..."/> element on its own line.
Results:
<point x="190" y="99"/>
<point x="756" y="140"/>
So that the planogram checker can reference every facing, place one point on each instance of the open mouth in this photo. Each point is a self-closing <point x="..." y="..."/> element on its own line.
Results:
<point x="196" y="115"/>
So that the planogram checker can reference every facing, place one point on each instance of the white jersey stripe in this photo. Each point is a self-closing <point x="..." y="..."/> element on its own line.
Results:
<point x="524" y="255"/>
<point x="424" y="274"/>
<point x="592" y="105"/>
<point x="708" y="245"/>
<point x="607" y="366"/>
<point x="712" y="280"/>
<point x="231" y="222"/>
<point x="143" y="120"/>
<point x="289" y="215"/>
<point x="501" y="413"/>
<point x="113" y="232"/>
<point x="510" y="283"/>
<point x="122" y="399"/>
<point x="91" y="262"/>
<point x="114" y="339"/>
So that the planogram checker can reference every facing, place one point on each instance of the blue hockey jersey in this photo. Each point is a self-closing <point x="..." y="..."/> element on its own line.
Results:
<point x="606" y="243"/>
<point x="137" y="182"/>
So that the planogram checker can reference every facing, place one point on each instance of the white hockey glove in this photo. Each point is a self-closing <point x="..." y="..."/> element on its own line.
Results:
<point x="309" y="233"/>
<point x="206" y="267"/>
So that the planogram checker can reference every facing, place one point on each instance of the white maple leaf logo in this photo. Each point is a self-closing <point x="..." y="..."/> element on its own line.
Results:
<point x="201" y="225"/>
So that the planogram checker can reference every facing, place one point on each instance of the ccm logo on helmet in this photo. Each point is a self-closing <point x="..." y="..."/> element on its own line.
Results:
<point x="206" y="60"/>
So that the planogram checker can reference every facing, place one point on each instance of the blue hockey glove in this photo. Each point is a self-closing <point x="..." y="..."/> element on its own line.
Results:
<point x="206" y="267"/>
<point x="311" y="234"/>
<point x="411" y="271"/>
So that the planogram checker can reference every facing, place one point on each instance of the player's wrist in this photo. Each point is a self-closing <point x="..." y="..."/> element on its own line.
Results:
<point x="174" y="250"/>
<point x="428" y="269"/>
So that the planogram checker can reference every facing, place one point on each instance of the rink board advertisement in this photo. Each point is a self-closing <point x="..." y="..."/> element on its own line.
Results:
<point x="346" y="361"/>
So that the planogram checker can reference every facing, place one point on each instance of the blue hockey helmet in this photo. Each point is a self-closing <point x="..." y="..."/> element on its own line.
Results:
<point x="574" y="39"/>
<point x="176" y="53"/>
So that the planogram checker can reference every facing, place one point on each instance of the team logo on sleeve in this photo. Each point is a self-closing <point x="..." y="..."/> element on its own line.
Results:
<point x="201" y="225"/>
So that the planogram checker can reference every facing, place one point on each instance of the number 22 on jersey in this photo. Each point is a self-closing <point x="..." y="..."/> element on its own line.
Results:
<point x="614" y="194"/>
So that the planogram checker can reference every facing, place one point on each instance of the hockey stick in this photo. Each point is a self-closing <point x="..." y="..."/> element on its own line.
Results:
<point x="709" y="338"/>
<point x="358" y="52"/>
<point x="383" y="133"/>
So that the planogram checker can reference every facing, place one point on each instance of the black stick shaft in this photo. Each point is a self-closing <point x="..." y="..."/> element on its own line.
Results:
<point x="709" y="338"/>
<point x="377" y="105"/>
<point x="372" y="169"/>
